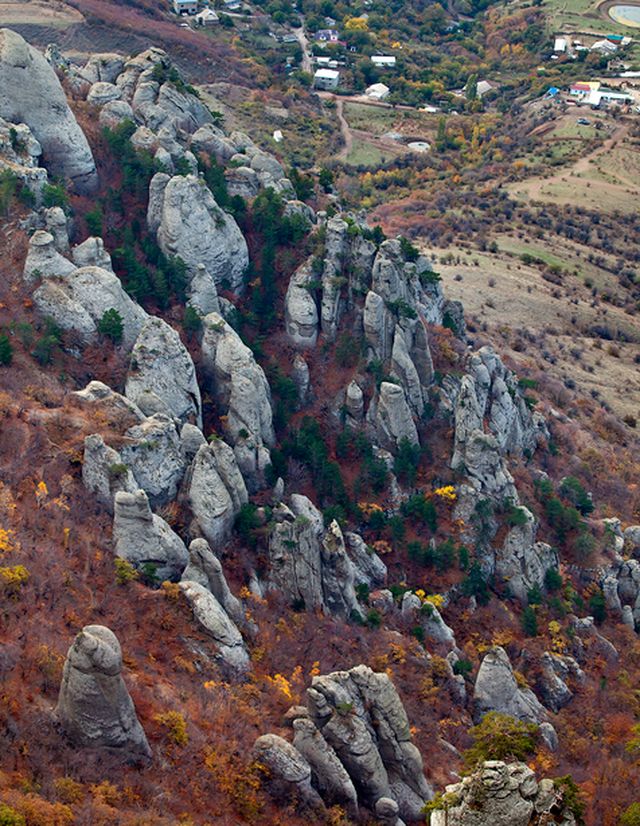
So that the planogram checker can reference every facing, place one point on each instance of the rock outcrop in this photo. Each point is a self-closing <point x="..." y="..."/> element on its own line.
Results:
<point x="31" y="93"/>
<point x="496" y="689"/>
<point x="189" y="224"/>
<point x="289" y="777"/>
<point x="204" y="568"/>
<point x="390" y="418"/>
<point x="162" y="377"/>
<point x="240" y="387"/>
<point x="353" y="746"/>
<point x="145" y="540"/>
<point x="215" y="491"/>
<point x="217" y="623"/>
<point x="309" y="565"/>
<point x="300" y="310"/>
<point x="522" y="562"/>
<point x="104" y="473"/>
<point x="500" y="794"/>
<point x="94" y="707"/>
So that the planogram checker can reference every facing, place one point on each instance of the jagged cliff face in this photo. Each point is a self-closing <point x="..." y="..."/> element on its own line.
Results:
<point x="209" y="498"/>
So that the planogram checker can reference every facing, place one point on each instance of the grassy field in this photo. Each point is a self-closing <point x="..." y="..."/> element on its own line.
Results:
<point x="377" y="120"/>
<point x="508" y="300"/>
<point x="364" y="153"/>
<point x="51" y="13"/>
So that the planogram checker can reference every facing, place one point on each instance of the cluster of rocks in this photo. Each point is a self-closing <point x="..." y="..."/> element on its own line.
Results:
<point x="620" y="582"/>
<point x="352" y="747"/>
<point x="502" y="794"/>
<point x="317" y="567"/>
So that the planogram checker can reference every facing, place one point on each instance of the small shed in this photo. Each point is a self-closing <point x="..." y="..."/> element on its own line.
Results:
<point x="560" y="46"/>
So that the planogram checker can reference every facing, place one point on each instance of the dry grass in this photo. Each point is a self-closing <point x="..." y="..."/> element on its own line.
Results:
<point x="50" y="13"/>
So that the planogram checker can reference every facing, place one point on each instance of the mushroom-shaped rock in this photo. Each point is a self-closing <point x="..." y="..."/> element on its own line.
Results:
<point x="43" y="259"/>
<point x="94" y="706"/>
<point x="289" y="773"/>
<point x="56" y="223"/>
<point x="144" y="539"/>
<point x="205" y="569"/>
<point x="300" y="310"/>
<point x="104" y="473"/>
<point x="192" y="226"/>
<point x="496" y="689"/>
<point x="391" y="418"/>
<point x="216" y="491"/>
<point x="217" y="623"/>
<point x="162" y="377"/>
<point x="30" y="93"/>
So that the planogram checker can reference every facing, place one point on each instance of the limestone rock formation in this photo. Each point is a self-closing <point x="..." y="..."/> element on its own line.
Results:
<point x="216" y="622"/>
<point x="43" y="258"/>
<point x="104" y="473"/>
<point x="368" y="567"/>
<point x="240" y="387"/>
<point x="205" y="569"/>
<point x="144" y="539"/>
<point x="300" y="310"/>
<point x="553" y="689"/>
<point x="360" y="714"/>
<point x="91" y="253"/>
<point x="20" y="152"/>
<point x="153" y="452"/>
<point x="94" y="707"/>
<point x="496" y="689"/>
<point x="329" y="776"/>
<point x="190" y="224"/>
<point x="390" y="418"/>
<point x="78" y="299"/>
<point x="309" y="565"/>
<point x="215" y="491"/>
<point x="353" y="745"/>
<point x="30" y="93"/>
<point x="522" y="562"/>
<point x="502" y="794"/>
<point x="162" y="377"/>
<point x="289" y="773"/>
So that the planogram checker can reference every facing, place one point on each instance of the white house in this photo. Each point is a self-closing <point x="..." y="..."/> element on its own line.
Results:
<point x="327" y="79"/>
<point x="604" y="47"/>
<point x="560" y="46"/>
<point x="185" y="6"/>
<point x="207" y="17"/>
<point x="384" y="61"/>
<point x="482" y="87"/>
<point x="377" y="91"/>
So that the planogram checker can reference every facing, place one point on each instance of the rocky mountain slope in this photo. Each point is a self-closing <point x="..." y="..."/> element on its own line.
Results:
<point x="276" y="530"/>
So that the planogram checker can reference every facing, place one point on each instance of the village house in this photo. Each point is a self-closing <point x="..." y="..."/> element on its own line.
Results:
<point x="327" y="36"/>
<point x="383" y="61"/>
<point x="185" y="6"/>
<point x="326" y="79"/>
<point x="207" y="17"/>
<point x="377" y="91"/>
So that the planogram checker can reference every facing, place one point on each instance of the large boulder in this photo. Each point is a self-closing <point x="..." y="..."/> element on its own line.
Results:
<point x="145" y="540"/>
<point x="496" y="689"/>
<point x="289" y="774"/>
<point x="94" y="707"/>
<point x="217" y="623"/>
<point x="309" y="565"/>
<point x="215" y="491"/>
<point x="30" y="93"/>
<point x="162" y="377"/>
<point x="190" y="224"/>
<point x="500" y="794"/>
